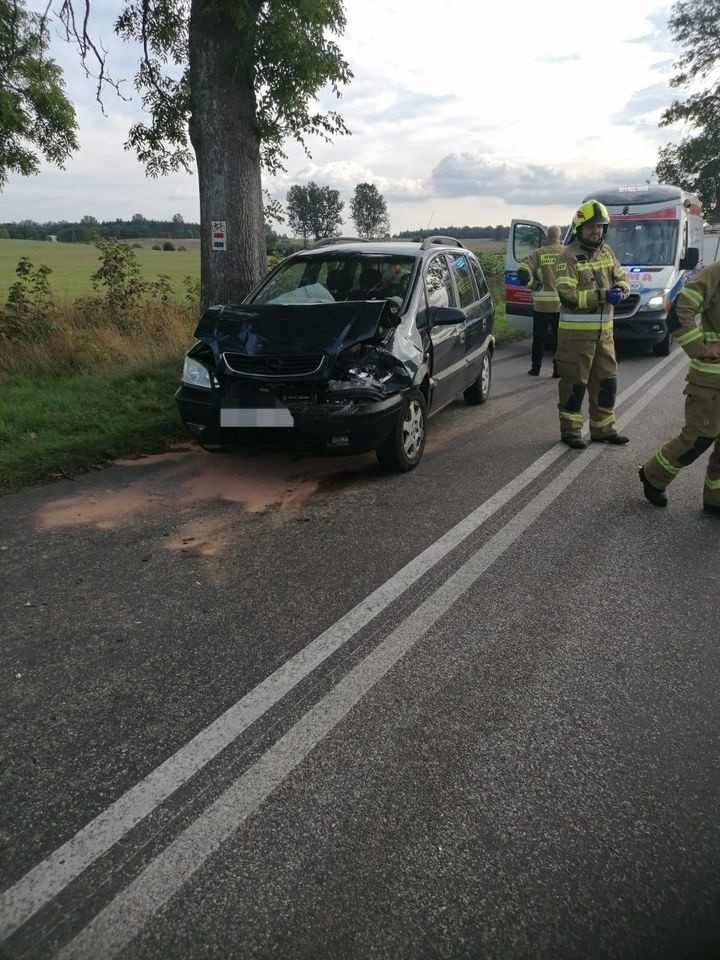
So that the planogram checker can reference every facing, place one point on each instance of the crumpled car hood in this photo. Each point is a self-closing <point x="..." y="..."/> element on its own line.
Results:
<point x="294" y="328"/>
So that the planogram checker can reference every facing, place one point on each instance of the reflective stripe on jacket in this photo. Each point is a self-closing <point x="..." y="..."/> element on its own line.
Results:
<point x="537" y="271"/>
<point x="583" y="277"/>
<point x="701" y="295"/>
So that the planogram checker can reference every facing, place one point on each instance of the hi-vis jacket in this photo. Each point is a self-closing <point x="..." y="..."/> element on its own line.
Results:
<point x="537" y="271"/>
<point x="702" y="296"/>
<point x="582" y="278"/>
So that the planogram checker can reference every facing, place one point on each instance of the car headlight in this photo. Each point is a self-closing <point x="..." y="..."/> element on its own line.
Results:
<point x="195" y="374"/>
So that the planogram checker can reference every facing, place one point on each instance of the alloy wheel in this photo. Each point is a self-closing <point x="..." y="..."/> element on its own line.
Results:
<point x="413" y="430"/>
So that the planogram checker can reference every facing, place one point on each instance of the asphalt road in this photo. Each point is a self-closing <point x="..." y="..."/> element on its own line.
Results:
<point x="258" y="705"/>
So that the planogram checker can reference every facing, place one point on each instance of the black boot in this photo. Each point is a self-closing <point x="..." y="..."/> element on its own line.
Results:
<point x="615" y="438"/>
<point x="655" y="495"/>
<point x="712" y="508"/>
<point x="577" y="443"/>
<point x="534" y="371"/>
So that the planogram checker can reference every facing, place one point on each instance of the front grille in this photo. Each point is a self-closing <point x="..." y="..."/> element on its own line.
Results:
<point x="278" y="365"/>
<point x="628" y="307"/>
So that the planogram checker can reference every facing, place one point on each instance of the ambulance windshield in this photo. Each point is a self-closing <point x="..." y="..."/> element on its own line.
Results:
<point x="644" y="242"/>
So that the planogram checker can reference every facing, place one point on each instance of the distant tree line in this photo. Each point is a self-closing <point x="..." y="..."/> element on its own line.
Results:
<point x="460" y="233"/>
<point x="88" y="227"/>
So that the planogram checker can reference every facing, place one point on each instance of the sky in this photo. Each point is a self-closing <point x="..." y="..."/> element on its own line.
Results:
<point x="461" y="112"/>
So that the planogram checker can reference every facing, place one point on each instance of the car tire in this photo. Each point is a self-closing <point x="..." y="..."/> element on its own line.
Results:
<point x="403" y="449"/>
<point x="662" y="349"/>
<point x="479" y="390"/>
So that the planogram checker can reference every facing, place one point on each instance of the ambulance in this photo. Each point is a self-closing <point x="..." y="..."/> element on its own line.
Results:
<point x="656" y="232"/>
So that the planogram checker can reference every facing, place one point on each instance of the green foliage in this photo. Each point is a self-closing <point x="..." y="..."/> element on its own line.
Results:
<point x="314" y="211"/>
<point x="499" y="233"/>
<point x="283" y="46"/>
<point x="35" y="114"/>
<point x="30" y="310"/>
<point x="272" y="209"/>
<point x="168" y="245"/>
<point x="192" y="291"/>
<point x="53" y="425"/>
<point x="694" y="163"/>
<point x="83" y="231"/>
<point x="123" y="291"/>
<point x="493" y="265"/>
<point x="118" y="278"/>
<point x="292" y="60"/>
<point x="369" y="211"/>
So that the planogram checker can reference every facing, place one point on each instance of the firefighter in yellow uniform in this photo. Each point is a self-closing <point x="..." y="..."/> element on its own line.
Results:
<point x="589" y="282"/>
<point x="702" y="392"/>
<point x="537" y="271"/>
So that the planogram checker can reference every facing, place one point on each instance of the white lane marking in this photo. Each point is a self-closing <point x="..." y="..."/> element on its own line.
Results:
<point x="48" y="878"/>
<point x="123" y="918"/>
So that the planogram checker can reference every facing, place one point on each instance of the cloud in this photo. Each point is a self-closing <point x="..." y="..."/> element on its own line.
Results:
<point x="663" y="66"/>
<point x="380" y="100"/>
<point x="471" y="175"/>
<point x="659" y="39"/>
<point x="560" y="58"/>
<point x="344" y="175"/>
<point x="646" y="101"/>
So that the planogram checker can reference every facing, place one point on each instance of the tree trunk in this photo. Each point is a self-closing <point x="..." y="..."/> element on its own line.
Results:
<point x="227" y="149"/>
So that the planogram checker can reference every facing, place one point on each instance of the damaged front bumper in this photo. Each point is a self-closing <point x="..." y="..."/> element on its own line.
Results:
<point x="332" y="417"/>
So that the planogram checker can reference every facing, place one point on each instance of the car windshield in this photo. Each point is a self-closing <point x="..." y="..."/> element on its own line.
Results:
<point x="330" y="277"/>
<point x="644" y="242"/>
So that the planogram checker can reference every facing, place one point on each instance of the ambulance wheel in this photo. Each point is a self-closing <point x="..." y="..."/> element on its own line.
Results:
<point x="662" y="349"/>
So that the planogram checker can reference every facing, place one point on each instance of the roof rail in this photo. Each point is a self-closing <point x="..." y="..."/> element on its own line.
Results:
<point x="439" y="241"/>
<point x="329" y="241"/>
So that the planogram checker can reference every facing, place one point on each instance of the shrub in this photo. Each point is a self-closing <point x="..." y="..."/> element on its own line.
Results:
<point x="156" y="246"/>
<point x="30" y="311"/>
<point x="493" y="265"/>
<point x="168" y="245"/>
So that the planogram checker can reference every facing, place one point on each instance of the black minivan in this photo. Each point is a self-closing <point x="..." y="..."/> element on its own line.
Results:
<point x="347" y="346"/>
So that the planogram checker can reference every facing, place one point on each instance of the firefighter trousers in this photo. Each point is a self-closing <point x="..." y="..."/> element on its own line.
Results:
<point x="589" y="366"/>
<point x="701" y="431"/>
<point x="545" y="327"/>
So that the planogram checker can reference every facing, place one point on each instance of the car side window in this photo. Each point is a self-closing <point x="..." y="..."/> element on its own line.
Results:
<point x="480" y="280"/>
<point x="463" y="279"/>
<point x="438" y="285"/>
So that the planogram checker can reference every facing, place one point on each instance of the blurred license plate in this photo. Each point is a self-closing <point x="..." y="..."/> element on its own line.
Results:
<point x="259" y="417"/>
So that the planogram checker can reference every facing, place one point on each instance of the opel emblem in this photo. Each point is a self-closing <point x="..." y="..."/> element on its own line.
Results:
<point x="273" y="364"/>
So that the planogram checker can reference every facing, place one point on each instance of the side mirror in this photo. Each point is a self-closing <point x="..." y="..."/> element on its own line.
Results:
<point x="691" y="259"/>
<point x="446" y="316"/>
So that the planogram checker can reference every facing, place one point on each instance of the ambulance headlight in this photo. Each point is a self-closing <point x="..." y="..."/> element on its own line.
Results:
<point x="656" y="300"/>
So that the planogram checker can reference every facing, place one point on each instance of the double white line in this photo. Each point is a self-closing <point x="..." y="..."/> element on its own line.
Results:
<point x="115" y="926"/>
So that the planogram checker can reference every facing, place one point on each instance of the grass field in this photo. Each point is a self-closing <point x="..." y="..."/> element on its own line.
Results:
<point x="486" y="246"/>
<point x="74" y="263"/>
